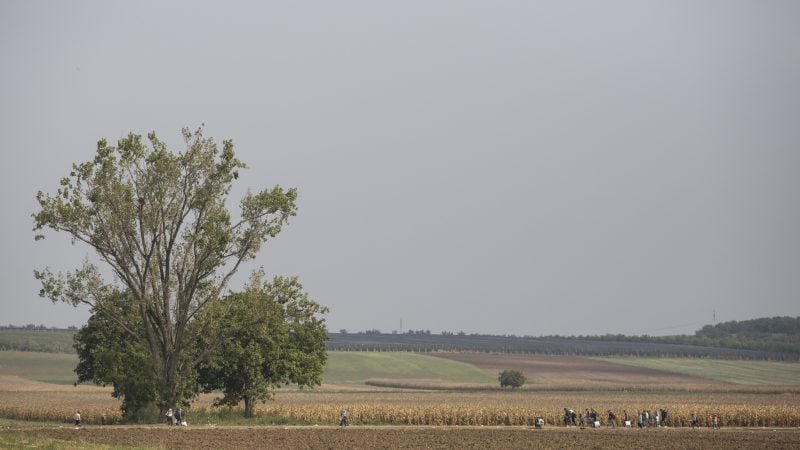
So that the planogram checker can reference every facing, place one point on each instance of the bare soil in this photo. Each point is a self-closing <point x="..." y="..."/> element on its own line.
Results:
<point x="576" y="372"/>
<point x="239" y="437"/>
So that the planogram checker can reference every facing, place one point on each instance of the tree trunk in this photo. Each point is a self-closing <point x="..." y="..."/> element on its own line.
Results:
<point x="248" y="406"/>
<point x="169" y="383"/>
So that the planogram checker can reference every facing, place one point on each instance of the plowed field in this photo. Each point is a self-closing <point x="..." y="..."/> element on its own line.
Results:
<point x="576" y="372"/>
<point x="422" y="437"/>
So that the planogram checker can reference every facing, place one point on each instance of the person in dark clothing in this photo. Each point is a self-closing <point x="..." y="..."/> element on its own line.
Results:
<point x="569" y="417"/>
<point x="612" y="419"/>
<point x="178" y="417"/>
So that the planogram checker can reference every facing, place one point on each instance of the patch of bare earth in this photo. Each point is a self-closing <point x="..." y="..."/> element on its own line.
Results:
<point x="423" y="437"/>
<point x="569" y="372"/>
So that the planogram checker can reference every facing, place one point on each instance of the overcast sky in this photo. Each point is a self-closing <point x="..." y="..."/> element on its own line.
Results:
<point x="495" y="166"/>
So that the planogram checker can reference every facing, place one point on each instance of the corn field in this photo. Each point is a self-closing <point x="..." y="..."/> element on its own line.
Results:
<point x="39" y="401"/>
<point x="738" y="415"/>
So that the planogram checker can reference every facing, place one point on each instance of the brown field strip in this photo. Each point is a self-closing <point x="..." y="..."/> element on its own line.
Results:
<point x="420" y="437"/>
<point x="567" y="372"/>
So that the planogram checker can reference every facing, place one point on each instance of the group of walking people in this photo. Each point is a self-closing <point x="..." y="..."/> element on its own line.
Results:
<point x="643" y="418"/>
<point x="657" y="418"/>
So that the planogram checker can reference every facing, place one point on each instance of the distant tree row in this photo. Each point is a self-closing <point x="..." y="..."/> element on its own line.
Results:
<point x="31" y="326"/>
<point x="772" y="338"/>
<point x="789" y="326"/>
<point x="775" y="335"/>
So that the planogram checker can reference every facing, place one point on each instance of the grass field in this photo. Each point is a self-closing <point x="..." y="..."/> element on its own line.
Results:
<point x="758" y="373"/>
<point x="343" y="367"/>
<point x="55" y="368"/>
<point x="357" y="367"/>
<point x="482" y="368"/>
<point x="58" y="341"/>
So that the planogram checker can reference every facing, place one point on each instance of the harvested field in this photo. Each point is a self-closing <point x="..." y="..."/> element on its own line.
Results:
<point x="421" y="437"/>
<point x="742" y="372"/>
<point x="568" y="372"/>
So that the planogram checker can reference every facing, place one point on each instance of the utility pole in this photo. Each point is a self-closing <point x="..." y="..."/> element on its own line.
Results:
<point x="401" y="325"/>
<point x="715" y="317"/>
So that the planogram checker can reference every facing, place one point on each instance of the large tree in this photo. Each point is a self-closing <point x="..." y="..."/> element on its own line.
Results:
<point x="283" y="342"/>
<point x="159" y="221"/>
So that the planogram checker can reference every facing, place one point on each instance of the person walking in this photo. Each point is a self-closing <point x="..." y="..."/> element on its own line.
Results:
<point x="77" y="418"/>
<point x="612" y="419"/>
<point x="178" y="417"/>
<point x="169" y="417"/>
<point x="343" y="418"/>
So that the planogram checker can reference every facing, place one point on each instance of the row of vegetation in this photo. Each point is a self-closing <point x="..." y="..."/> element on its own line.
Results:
<point x="776" y="338"/>
<point x="778" y="335"/>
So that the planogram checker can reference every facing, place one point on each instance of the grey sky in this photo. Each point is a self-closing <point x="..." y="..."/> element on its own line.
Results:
<point x="504" y="167"/>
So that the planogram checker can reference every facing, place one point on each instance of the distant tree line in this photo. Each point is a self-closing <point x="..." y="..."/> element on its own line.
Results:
<point x="31" y="326"/>
<point x="770" y="334"/>
<point x="766" y="338"/>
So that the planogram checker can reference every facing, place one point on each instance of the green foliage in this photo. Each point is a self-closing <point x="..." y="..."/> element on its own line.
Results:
<point x="107" y="355"/>
<point x="279" y="339"/>
<point x="780" y="336"/>
<point x="159" y="221"/>
<point x="763" y="327"/>
<point x="511" y="377"/>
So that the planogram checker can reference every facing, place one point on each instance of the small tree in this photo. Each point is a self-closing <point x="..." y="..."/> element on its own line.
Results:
<point x="282" y="342"/>
<point x="513" y="378"/>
